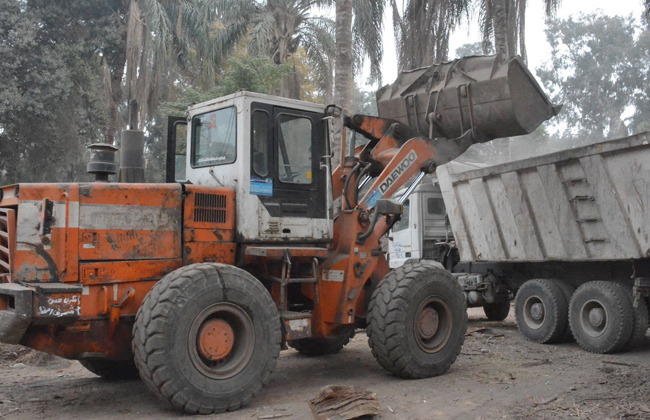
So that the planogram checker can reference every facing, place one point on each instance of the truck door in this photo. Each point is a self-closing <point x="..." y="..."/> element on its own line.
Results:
<point x="286" y="149"/>
<point x="401" y="242"/>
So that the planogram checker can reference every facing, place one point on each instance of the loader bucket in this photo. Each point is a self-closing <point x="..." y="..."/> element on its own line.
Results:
<point x="491" y="97"/>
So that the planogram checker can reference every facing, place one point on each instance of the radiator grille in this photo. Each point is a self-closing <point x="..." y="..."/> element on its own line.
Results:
<point x="6" y="229"/>
<point x="209" y="208"/>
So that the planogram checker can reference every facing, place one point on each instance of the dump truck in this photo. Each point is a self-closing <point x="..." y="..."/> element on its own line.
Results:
<point x="566" y="233"/>
<point x="196" y="284"/>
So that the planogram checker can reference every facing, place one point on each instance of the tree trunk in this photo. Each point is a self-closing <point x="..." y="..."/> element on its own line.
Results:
<point x="343" y="71"/>
<point x="113" y="96"/>
<point x="617" y="128"/>
<point x="501" y="28"/>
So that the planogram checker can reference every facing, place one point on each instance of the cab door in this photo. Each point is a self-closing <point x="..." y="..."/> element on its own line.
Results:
<point x="400" y="245"/>
<point x="287" y="146"/>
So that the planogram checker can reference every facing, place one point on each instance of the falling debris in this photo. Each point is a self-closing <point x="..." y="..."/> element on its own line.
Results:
<point x="344" y="403"/>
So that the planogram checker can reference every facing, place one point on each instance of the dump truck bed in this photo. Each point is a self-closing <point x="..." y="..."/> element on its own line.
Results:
<point x="582" y="204"/>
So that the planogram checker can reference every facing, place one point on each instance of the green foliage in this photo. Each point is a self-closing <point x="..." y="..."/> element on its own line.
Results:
<point x="599" y="69"/>
<point x="250" y="73"/>
<point x="476" y="48"/>
<point x="422" y="30"/>
<point x="49" y="102"/>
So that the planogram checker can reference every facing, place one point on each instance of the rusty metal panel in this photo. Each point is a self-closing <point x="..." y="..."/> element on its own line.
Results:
<point x="588" y="203"/>
<point x="199" y="252"/>
<point x="7" y="241"/>
<point x="109" y="272"/>
<point x="46" y="247"/>
<point x="296" y="325"/>
<point x="129" y="221"/>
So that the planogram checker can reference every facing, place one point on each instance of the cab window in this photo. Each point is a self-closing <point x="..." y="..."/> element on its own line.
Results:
<point x="403" y="223"/>
<point x="436" y="207"/>
<point x="294" y="149"/>
<point x="214" y="138"/>
<point x="261" y="143"/>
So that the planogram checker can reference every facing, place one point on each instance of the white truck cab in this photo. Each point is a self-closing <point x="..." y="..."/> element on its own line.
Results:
<point x="423" y="227"/>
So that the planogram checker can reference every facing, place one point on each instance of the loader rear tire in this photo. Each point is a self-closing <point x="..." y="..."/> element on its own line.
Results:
<point x="323" y="346"/>
<point x="497" y="311"/>
<point x="417" y="320"/>
<point x="111" y="370"/>
<point x="207" y="338"/>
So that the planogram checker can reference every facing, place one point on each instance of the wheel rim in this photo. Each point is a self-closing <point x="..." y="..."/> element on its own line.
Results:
<point x="433" y="324"/>
<point x="534" y="312"/>
<point x="593" y="318"/>
<point x="221" y="340"/>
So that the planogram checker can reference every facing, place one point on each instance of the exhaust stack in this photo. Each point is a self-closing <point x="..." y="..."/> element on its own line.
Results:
<point x="132" y="149"/>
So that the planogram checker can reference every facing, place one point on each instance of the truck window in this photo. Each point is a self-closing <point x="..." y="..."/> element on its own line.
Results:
<point x="214" y="137"/>
<point x="260" y="143"/>
<point x="436" y="207"/>
<point x="294" y="149"/>
<point x="403" y="223"/>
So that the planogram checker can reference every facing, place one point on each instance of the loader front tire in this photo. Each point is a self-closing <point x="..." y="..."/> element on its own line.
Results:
<point x="417" y="320"/>
<point x="207" y="338"/>
<point x="111" y="370"/>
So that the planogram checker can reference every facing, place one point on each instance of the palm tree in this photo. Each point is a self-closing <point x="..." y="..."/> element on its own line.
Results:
<point x="277" y="28"/>
<point x="422" y="30"/>
<point x="159" y="39"/>
<point x="358" y="36"/>
<point x="506" y="21"/>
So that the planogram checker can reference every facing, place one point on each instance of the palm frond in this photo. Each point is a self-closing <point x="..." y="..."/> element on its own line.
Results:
<point x="367" y="29"/>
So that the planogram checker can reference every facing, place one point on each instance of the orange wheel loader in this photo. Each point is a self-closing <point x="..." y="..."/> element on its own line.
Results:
<point x="254" y="243"/>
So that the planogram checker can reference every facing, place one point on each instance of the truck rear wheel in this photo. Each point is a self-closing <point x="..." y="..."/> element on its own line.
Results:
<point x="541" y="311"/>
<point x="111" y="370"/>
<point x="207" y="338"/>
<point x="323" y="346"/>
<point x="601" y="316"/>
<point x="640" y="322"/>
<point x="567" y="291"/>
<point x="497" y="311"/>
<point x="417" y="320"/>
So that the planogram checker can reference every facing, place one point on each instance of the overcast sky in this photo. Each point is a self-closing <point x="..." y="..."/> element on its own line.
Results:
<point x="538" y="49"/>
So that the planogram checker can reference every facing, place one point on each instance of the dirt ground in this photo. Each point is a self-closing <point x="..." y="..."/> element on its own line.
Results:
<point x="498" y="375"/>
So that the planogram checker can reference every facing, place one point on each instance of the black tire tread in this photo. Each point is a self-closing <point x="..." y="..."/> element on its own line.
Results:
<point x="151" y="319"/>
<point x="618" y="293"/>
<point x="111" y="370"/>
<point x="385" y="320"/>
<point x="568" y="290"/>
<point x="497" y="311"/>
<point x="640" y="320"/>
<point x="322" y="346"/>
<point x="559" y="308"/>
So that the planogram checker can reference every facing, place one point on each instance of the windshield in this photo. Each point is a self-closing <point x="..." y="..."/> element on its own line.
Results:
<point x="214" y="137"/>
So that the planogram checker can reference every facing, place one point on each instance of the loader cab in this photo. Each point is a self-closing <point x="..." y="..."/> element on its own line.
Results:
<point x="269" y="150"/>
<point x="423" y="224"/>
